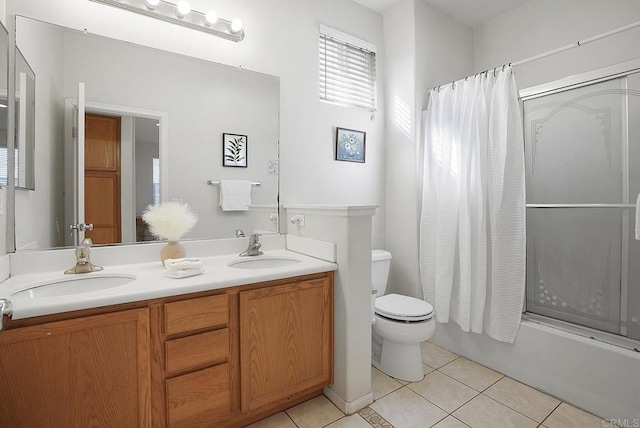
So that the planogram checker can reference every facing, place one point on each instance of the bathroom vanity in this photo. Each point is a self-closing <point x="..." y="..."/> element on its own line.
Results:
<point x="219" y="357"/>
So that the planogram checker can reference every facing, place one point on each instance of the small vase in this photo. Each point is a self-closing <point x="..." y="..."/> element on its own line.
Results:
<point x="173" y="250"/>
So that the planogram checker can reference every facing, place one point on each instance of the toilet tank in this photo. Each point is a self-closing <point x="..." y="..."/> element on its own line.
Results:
<point x="380" y="264"/>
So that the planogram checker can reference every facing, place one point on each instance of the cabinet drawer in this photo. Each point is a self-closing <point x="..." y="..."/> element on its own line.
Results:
<point x="199" y="399"/>
<point x="196" y="314"/>
<point x="196" y="351"/>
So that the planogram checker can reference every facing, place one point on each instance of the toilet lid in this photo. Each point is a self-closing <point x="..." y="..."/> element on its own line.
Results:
<point x="403" y="308"/>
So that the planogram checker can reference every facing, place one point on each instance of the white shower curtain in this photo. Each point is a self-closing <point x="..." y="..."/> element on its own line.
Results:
<point x="472" y="231"/>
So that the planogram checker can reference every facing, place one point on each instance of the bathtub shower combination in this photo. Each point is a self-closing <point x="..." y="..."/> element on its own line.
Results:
<point x="582" y="144"/>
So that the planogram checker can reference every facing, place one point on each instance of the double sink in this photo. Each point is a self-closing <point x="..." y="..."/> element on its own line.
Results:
<point x="79" y="284"/>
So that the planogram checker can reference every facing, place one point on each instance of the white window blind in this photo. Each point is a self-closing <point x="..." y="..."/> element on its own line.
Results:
<point x="4" y="153"/>
<point x="347" y="70"/>
<point x="156" y="181"/>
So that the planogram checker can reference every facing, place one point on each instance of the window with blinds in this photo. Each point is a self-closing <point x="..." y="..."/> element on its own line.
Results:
<point x="155" y="180"/>
<point x="4" y="161"/>
<point x="347" y="70"/>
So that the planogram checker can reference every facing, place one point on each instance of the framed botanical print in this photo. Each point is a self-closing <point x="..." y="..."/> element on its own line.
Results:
<point x="234" y="150"/>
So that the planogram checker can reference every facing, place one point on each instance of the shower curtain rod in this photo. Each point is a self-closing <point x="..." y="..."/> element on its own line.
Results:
<point x="554" y="51"/>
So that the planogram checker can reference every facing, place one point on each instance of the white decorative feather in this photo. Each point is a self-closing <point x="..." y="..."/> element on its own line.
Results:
<point x="169" y="220"/>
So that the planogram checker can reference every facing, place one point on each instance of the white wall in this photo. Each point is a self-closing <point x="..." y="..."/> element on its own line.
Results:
<point x="588" y="374"/>
<point x="281" y="39"/>
<point x="543" y="25"/>
<point x="425" y="48"/>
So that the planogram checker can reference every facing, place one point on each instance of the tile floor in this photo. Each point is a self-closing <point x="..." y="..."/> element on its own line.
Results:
<point x="455" y="393"/>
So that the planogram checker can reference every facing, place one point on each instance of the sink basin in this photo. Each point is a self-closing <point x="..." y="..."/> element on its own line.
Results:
<point x="263" y="262"/>
<point x="74" y="285"/>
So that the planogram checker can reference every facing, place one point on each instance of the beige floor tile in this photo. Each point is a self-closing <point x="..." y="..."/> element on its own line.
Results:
<point x="483" y="412"/>
<point x="279" y="420"/>
<point x="352" y="421"/>
<point x="567" y="416"/>
<point x="522" y="398"/>
<point x="434" y="356"/>
<point x="314" y="413"/>
<point x="382" y="384"/>
<point x="406" y="409"/>
<point x="450" y="422"/>
<point x="471" y="374"/>
<point x="443" y="391"/>
<point x="425" y="368"/>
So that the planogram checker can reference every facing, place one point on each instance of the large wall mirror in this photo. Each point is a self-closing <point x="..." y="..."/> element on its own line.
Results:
<point x="168" y="112"/>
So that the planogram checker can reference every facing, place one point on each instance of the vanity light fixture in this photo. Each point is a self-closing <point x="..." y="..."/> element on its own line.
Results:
<point x="181" y="14"/>
<point x="211" y="17"/>
<point x="182" y="9"/>
<point x="236" y="25"/>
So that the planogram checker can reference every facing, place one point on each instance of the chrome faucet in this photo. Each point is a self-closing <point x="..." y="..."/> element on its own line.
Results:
<point x="83" y="259"/>
<point x="254" y="246"/>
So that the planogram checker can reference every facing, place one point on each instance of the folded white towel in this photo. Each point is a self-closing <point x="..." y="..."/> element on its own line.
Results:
<point x="638" y="218"/>
<point x="182" y="263"/>
<point x="235" y="195"/>
<point x="183" y="267"/>
<point x="183" y="273"/>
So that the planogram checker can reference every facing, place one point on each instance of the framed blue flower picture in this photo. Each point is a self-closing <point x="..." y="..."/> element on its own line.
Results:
<point x="350" y="145"/>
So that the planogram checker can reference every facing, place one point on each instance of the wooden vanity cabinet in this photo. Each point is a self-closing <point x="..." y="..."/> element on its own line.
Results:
<point x="234" y="358"/>
<point x="91" y="371"/>
<point x="223" y="359"/>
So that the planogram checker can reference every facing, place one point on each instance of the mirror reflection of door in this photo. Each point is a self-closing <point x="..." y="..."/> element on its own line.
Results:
<point x="121" y="175"/>
<point x="102" y="178"/>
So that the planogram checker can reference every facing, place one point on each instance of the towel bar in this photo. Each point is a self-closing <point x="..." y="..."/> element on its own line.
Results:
<point x="217" y="183"/>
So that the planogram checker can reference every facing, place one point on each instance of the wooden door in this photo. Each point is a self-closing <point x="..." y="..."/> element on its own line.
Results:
<point x="84" y="372"/>
<point x="286" y="341"/>
<point x="102" y="178"/>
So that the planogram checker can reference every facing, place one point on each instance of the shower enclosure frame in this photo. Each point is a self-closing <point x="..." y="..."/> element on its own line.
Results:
<point x="573" y="82"/>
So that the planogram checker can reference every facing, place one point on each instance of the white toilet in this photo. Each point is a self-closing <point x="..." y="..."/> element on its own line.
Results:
<point x="400" y="324"/>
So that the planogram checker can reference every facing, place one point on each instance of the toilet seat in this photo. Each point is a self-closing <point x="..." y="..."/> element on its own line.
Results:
<point x="403" y="308"/>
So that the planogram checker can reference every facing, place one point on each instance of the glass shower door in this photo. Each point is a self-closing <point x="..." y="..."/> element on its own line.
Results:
<point x="583" y="169"/>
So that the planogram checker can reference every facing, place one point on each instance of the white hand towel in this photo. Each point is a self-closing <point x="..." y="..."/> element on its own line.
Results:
<point x="235" y="195"/>
<point x="638" y="218"/>
<point x="183" y="273"/>
<point x="183" y="267"/>
<point x="182" y="263"/>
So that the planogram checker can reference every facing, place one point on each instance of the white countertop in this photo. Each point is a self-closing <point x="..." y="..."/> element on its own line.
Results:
<point x="151" y="282"/>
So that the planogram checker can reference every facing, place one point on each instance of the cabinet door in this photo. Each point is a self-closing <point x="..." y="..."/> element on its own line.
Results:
<point x="286" y="341"/>
<point x="83" y="372"/>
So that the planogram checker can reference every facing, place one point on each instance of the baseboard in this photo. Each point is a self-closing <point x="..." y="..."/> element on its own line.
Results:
<point x="348" y="408"/>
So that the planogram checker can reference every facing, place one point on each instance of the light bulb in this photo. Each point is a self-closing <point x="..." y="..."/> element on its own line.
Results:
<point x="151" y="4"/>
<point x="236" y="25"/>
<point x="183" y="9"/>
<point x="211" y="17"/>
